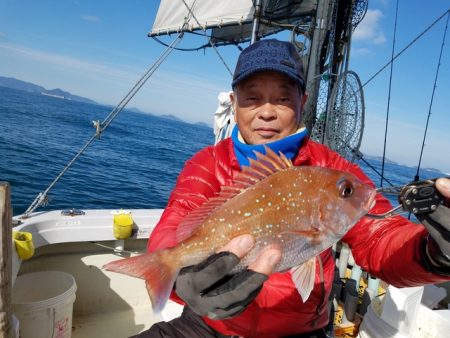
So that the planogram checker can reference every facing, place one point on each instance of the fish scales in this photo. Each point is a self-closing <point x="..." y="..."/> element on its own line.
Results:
<point x="300" y="210"/>
<point x="262" y="211"/>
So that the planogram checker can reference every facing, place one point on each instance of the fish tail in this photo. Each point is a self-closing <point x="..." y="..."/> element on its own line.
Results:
<point x="159" y="270"/>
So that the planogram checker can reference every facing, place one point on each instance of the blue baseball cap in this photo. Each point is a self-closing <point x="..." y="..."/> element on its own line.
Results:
<point x="269" y="55"/>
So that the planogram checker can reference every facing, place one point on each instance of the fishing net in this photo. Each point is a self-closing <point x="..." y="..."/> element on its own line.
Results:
<point x="344" y="122"/>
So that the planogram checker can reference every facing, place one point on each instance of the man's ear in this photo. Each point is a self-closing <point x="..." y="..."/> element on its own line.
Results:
<point x="303" y="101"/>
<point x="302" y="107"/>
<point x="233" y="104"/>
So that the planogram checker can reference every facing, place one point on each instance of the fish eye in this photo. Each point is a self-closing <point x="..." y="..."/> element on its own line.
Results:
<point x="345" y="189"/>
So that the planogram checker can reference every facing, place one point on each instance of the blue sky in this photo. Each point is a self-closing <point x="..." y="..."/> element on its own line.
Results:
<point x="98" y="49"/>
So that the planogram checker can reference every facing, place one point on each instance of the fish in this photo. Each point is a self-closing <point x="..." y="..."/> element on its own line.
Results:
<point x="302" y="210"/>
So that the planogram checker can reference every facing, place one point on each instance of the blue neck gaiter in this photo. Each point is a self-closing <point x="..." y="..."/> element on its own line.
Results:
<point x="288" y="146"/>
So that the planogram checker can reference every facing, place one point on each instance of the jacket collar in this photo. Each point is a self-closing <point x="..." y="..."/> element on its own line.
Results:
<point x="304" y="153"/>
<point x="303" y="156"/>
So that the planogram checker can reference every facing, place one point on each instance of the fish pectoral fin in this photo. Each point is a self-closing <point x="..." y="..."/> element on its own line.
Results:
<point x="303" y="277"/>
<point x="313" y="234"/>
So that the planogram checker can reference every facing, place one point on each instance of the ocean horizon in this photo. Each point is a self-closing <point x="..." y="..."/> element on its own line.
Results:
<point x="134" y="164"/>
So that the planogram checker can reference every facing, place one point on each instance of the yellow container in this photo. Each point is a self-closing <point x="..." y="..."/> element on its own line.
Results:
<point x="24" y="244"/>
<point x="123" y="225"/>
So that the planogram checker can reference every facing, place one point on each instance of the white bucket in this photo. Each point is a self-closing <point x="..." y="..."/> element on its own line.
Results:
<point x="43" y="303"/>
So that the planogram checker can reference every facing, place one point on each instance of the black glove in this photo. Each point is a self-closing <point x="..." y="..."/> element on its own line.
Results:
<point x="436" y="249"/>
<point x="209" y="291"/>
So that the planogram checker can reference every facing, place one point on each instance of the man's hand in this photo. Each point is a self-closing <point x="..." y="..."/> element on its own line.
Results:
<point x="443" y="185"/>
<point x="208" y="289"/>
<point x="438" y="225"/>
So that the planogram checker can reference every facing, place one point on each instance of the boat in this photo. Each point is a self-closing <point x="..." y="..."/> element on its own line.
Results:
<point x="80" y="242"/>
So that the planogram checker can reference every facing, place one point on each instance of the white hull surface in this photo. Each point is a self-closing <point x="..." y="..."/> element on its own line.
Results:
<point x="107" y="304"/>
<point x="113" y="305"/>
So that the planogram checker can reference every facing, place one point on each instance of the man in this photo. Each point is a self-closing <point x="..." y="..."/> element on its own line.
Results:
<point x="268" y="99"/>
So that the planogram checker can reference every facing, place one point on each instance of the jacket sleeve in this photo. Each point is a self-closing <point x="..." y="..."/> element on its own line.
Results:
<point x="195" y="184"/>
<point x="388" y="248"/>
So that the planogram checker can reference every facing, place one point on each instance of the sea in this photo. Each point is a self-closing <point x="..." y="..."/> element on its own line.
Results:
<point x="133" y="164"/>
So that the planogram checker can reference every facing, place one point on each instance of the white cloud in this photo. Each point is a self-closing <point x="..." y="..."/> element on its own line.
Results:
<point x="90" y="18"/>
<point x="72" y="64"/>
<point x="369" y="30"/>
<point x="177" y="79"/>
<point x="192" y="96"/>
<point x="172" y="90"/>
<point x="361" y="51"/>
<point x="384" y="3"/>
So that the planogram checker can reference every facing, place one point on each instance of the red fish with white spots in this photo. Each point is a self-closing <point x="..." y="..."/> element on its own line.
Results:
<point x="301" y="210"/>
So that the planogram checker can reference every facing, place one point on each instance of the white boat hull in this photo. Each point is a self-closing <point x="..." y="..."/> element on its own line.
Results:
<point x="107" y="304"/>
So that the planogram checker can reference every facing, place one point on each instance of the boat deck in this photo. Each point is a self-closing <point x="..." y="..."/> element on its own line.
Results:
<point x="107" y="304"/>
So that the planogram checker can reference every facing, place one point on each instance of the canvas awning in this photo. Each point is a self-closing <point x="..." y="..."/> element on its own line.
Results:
<point x="230" y="20"/>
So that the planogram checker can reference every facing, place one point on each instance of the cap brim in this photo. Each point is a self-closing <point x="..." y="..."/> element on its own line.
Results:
<point x="250" y="72"/>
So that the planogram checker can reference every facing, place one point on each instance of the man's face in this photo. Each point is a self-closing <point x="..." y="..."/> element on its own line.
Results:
<point x="268" y="107"/>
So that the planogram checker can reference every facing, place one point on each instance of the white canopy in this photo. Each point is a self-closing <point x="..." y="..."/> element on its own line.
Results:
<point x="230" y="19"/>
<point x="209" y="13"/>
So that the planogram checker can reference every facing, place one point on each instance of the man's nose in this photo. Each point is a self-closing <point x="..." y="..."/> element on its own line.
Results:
<point x="267" y="111"/>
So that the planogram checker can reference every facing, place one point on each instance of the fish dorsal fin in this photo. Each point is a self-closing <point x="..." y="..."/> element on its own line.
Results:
<point x="303" y="277"/>
<point x="264" y="166"/>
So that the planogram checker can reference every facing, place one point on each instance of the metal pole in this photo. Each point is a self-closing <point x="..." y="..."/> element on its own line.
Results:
<point x="321" y="25"/>
<point x="256" y="18"/>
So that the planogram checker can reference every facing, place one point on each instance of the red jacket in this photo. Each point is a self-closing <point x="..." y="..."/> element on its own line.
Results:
<point x="387" y="248"/>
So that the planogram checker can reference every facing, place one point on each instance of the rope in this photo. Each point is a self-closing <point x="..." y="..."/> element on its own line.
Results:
<point x="139" y="84"/>
<point x="432" y="97"/>
<point x="100" y="127"/>
<point x="389" y="95"/>
<point x="375" y="169"/>
<point x="220" y="57"/>
<point x="407" y="46"/>
<point x="209" y="39"/>
<point x="117" y="250"/>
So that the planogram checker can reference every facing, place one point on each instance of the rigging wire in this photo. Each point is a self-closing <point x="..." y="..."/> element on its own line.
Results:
<point x="361" y="158"/>
<point x="42" y="198"/>
<point x="219" y="42"/>
<point x="220" y="57"/>
<point x="191" y="13"/>
<point x="446" y="12"/>
<point x="432" y="97"/>
<point x="389" y="95"/>
<point x="100" y="127"/>
<point x="195" y="49"/>
<point x="139" y="84"/>
<point x="406" y="47"/>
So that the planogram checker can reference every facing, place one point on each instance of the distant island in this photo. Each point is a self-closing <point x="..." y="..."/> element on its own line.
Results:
<point x="174" y="118"/>
<point x="13" y="83"/>
<point x="435" y="170"/>
<point x="202" y="124"/>
<point x="171" y="117"/>
<point x="380" y="159"/>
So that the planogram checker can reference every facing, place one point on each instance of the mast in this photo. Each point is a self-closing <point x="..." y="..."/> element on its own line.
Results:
<point x="321" y="27"/>
<point x="256" y="22"/>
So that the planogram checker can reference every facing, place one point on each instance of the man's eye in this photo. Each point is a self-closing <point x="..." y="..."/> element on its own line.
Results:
<point x="284" y="99"/>
<point x="251" y="98"/>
